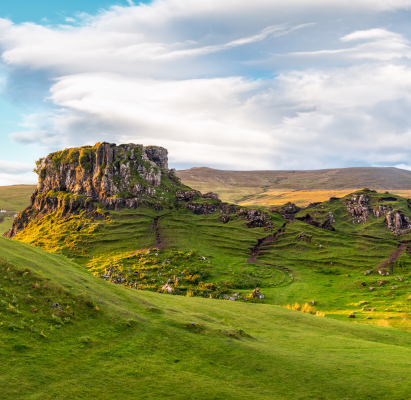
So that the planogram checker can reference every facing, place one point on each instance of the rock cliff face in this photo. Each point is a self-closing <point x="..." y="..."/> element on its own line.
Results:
<point x="103" y="171"/>
<point x="397" y="222"/>
<point x="76" y="180"/>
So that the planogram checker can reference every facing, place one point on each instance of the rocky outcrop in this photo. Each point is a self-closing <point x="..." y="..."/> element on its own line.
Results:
<point x="187" y="198"/>
<point x="397" y="223"/>
<point x="202" y="209"/>
<point x="191" y="199"/>
<point x="255" y="218"/>
<point x="190" y="195"/>
<point x="287" y="211"/>
<point x="86" y="178"/>
<point x="103" y="171"/>
<point x="380" y="211"/>
<point x="110" y="177"/>
<point x="327" y="224"/>
<point x="358" y="207"/>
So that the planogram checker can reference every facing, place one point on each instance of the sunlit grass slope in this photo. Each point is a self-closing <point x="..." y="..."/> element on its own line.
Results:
<point x="142" y="344"/>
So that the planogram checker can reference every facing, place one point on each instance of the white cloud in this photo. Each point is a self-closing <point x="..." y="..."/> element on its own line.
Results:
<point x="379" y="34"/>
<point x="14" y="173"/>
<point x="382" y="45"/>
<point x="13" y="167"/>
<point x="297" y="120"/>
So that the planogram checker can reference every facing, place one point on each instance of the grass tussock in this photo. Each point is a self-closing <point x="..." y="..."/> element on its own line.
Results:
<point x="305" y="308"/>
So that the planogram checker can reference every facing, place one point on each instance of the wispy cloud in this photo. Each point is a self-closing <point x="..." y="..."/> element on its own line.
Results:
<point x="380" y="44"/>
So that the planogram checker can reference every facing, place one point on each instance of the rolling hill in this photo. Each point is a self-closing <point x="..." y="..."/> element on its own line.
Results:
<point x="278" y="187"/>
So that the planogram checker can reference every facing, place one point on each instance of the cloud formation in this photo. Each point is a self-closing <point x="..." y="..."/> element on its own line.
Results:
<point x="13" y="173"/>
<point x="233" y="84"/>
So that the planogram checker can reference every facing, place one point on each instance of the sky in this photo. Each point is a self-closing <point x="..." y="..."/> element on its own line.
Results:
<point x="234" y="84"/>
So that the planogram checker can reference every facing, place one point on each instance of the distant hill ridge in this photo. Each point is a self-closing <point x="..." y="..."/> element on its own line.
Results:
<point x="340" y="178"/>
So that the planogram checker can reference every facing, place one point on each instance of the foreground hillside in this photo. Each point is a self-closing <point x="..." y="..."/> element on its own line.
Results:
<point x="108" y="341"/>
<point x="300" y="187"/>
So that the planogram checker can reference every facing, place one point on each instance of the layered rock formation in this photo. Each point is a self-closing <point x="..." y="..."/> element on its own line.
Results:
<point x="115" y="177"/>
<point x="103" y="171"/>
<point x="358" y="207"/>
<point x="397" y="222"/>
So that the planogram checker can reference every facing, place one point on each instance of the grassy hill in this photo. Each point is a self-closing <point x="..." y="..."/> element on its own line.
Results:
<point x="291" y="261"/>
<point x="13" y="199"/>
<point x="109" y="341"/>
<point x="279" y="187"/>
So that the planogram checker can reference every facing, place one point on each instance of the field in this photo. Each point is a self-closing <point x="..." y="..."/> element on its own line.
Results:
<point x="278" y="187"/>
<point x="13" y="199"/>
<point x="109" y="341"/>
<point x="302" y="198"/>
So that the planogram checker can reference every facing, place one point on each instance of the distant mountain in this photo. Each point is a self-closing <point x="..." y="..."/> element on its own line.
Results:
<point x="237" y="185"/>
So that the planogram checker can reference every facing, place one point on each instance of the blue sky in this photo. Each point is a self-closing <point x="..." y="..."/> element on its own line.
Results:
<point x="53" y="11"/>
<point x="268" y="84"/>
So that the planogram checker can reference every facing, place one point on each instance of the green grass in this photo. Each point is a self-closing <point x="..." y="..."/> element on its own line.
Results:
<point x="141" y="344"/>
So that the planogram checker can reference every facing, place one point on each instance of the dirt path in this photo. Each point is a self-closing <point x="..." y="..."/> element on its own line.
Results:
<point x="256" y="250"/>
<point x="159" y="244"/>
<point x="394" y="256"/>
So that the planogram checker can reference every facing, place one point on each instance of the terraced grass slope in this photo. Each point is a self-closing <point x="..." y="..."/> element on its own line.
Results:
<point x="108" y="341"/>
<point x="318" y="255"/>
<point x="265" y="187"/>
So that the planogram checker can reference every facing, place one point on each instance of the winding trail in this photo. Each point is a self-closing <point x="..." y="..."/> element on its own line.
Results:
<point x="256" y="250"/>
<point x="159" y="243"/>
<point x="394" y="256"/>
